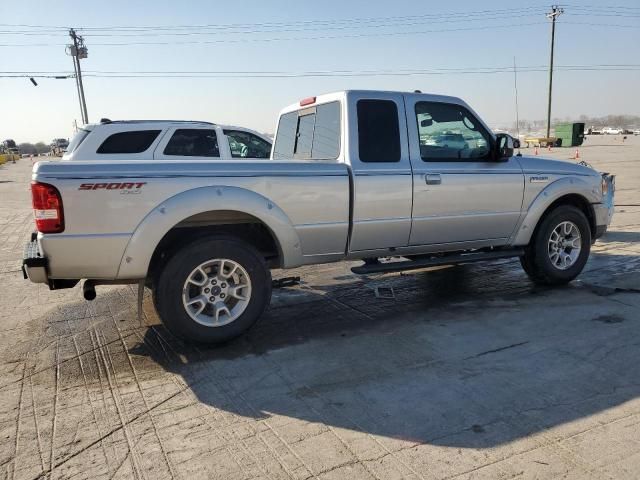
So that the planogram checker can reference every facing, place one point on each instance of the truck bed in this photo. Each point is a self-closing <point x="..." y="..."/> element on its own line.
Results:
<point x="312" y="196"/>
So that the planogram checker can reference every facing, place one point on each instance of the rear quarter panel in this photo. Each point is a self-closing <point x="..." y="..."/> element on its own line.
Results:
<point x="100" y="223"/>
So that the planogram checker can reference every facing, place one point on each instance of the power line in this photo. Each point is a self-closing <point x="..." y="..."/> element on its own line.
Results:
<point x="325" y="73"/>
<point x="312" y="38"/>
<point x="57" y="77"/>
<point x="338" y="25"/>
<point x="279" y="24"/>
<point x="597" y="66"/>
<point x="619" y="10"/>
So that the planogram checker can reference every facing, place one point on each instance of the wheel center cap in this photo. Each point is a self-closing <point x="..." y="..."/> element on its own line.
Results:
<point x="216" y="290"/>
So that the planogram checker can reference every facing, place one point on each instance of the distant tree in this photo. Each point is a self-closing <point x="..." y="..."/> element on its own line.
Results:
<point x="28" y="148"/>
<point x="41" y="148"/>
<point x="9" y="143"/>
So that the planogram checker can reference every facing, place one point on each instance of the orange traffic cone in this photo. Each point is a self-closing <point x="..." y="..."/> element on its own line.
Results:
<point x="535" y="151"/>
<point x="577" y="154"/>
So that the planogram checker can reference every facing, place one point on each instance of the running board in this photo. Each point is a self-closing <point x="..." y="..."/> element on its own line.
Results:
<point x="436" y="261"/>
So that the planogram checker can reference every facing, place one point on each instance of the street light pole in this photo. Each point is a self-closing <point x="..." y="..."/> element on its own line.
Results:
<point x="79" y="51"/>
<point x="555" y="13"/>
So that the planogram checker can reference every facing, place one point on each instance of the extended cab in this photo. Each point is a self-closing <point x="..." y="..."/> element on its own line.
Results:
<point x="353" y="175"/>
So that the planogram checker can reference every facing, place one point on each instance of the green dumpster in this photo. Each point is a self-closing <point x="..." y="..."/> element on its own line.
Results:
<point x="571" y="134"/>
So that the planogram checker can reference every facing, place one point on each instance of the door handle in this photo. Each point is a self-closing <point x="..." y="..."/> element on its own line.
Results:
<point x="433" y="179"/>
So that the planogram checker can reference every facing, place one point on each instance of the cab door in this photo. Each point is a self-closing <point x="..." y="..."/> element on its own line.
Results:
<point x="461" y="196"/>
<point x="382" y="185"/>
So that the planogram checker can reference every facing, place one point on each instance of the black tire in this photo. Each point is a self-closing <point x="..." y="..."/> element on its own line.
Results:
<point x="171" y="280"/>
<point x="536" y="261"/>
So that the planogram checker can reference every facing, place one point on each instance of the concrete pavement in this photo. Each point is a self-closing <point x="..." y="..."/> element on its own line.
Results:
<point x="469" y="372"/>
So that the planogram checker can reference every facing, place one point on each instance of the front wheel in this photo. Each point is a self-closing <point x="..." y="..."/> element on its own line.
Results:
<point x="559" y="248"/>
<point x="213" y="290"/>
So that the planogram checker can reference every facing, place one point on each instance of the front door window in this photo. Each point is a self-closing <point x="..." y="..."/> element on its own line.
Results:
<point x="448" y="132"/>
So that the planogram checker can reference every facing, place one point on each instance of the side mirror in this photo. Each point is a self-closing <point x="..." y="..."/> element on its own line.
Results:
<point x="504" y="147"/>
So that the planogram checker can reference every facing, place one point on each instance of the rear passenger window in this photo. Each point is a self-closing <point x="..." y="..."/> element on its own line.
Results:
<point x="193" y="142"/>
<point x="326" y="136"/>
<point x="378" y="131"/>
<point x="136" y="141"/>
<point x="312" y="133"/>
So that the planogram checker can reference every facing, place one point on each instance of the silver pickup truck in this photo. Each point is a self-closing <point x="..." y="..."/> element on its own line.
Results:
<point x="363" y="175"/>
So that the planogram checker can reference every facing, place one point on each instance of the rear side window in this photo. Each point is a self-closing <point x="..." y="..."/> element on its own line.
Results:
<point x="312" y="133"/>
<point x="326" y="136"/>
<point x="136" y="141"/>
<point x="378" y="131"/>
<point x="193" y="142"/>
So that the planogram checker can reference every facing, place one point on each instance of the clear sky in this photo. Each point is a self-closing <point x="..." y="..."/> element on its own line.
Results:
<point x="363" y="35"/>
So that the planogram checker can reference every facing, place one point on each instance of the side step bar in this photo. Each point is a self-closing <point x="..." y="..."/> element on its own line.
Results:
<point x="436" y="261"/>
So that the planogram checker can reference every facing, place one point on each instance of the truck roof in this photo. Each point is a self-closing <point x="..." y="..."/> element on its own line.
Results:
<point x="106" y="121"/>
<point x="332" y="96"/>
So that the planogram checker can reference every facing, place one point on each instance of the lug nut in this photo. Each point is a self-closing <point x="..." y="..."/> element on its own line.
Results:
<point x="206" y="290"/>
<point x="211" y="299"/>
<point x="222" y="295"/>
<point x="213" y="282"/>
<point x="223" y="285"/>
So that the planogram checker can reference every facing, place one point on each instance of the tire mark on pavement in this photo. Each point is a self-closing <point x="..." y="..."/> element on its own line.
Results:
<point x="207" y="414"/>
<point x="18" y="420"/>
<point x="106" y="435"/>
<point x="247" y="423"/>
<point x="103" y="389"/>
<point x="55" y="412"/>
<point x="138" y="473"/>
<point x="93" y="410"/>
<point x="37" y="426"/>
<point x="144" y="400"/>
<point x="58" y="364"/>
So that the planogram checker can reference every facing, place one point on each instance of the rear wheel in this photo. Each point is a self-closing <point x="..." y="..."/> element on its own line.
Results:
<point x="559" y="248"/>
<point x="213" y="290"/>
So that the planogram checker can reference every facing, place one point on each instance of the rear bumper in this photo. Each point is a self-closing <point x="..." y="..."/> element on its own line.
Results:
<point x="34" y="265"/>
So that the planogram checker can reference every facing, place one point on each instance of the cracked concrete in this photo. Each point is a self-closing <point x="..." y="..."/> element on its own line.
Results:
<point x="468" y="372"/>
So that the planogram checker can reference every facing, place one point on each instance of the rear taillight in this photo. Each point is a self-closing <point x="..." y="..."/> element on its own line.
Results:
<point x="47" y="208"/>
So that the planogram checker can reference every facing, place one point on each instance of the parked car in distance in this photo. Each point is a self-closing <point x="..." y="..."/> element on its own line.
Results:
<point x="166" y="140"/>
<point x="351" y="177"/>
<point x="451" y="140"/>
<point x="611" y="131"/>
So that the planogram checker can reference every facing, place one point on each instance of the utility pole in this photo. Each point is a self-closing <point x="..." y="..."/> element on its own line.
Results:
<point x="553" y="14"/>
<point x="77" y="52"/>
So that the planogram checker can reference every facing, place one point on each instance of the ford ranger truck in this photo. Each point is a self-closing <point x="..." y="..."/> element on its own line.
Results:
<point x="353" y="175"/>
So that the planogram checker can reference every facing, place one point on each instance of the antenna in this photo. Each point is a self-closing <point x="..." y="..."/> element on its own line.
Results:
<point x="515" y="86"/>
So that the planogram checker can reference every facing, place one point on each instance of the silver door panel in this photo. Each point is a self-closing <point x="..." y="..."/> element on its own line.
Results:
<point x="467" y="204"/>
<point x="382" y="191"/>
<point x="382" y="210"/>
